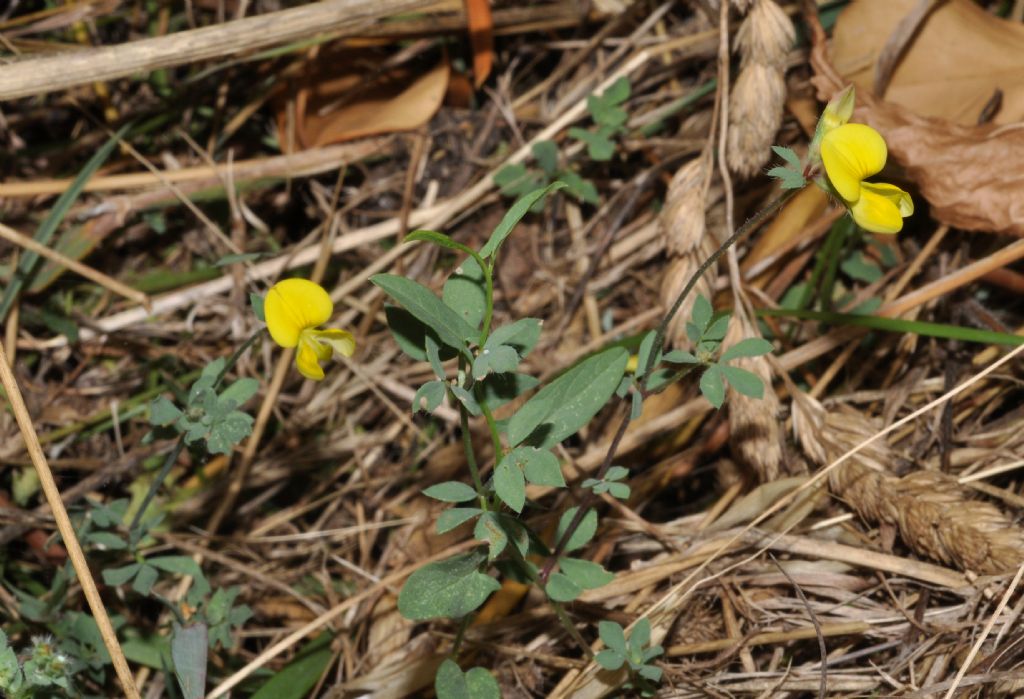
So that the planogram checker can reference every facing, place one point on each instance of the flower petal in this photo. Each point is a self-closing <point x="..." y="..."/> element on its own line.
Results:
<point x="850" y="153"/>
<point x="292" y="305"/>
<point x="341" y="341"/>
<point x="881" y="207"/>
<point x="306" y="360"/>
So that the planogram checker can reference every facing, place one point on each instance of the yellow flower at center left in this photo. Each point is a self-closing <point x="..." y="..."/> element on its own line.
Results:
<point x="294" y="309"/>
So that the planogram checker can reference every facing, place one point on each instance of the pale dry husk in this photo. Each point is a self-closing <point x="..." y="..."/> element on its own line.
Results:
<point x="934" y="515"/>
<point x="757" y="99"/>
<point x="683" y="227"/>
<point x="755" y="437"/>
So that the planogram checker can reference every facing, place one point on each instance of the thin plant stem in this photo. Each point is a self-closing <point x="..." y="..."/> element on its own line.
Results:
<point x="460" y="635"/>
<point x="570" y="627"/>
<point x="64" y="526"/>
<point x="492" y="425"/>
<point x="467" y="444"/>
<point x="488" y="270"/>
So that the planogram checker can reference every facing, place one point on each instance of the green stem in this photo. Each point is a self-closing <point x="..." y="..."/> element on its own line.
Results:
<point x="563" y="617"/>
<point x="459" y="636"/>
<point x="492" y="425"/>
<point x="467" y="444"/>
<point x="488" y="270"/>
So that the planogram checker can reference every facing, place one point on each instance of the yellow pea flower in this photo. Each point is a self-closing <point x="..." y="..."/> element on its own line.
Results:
<point x="851" y="153"/>
<point x="294" y="308"/>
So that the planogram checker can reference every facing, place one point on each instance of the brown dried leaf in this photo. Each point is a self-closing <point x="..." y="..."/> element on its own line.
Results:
<point x="338" y="102"/>
<point x="950" y="68"/>
<point x="970" y="175"/>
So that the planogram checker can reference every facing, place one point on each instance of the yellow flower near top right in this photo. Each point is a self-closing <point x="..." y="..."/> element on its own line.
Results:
<point x="850" y="153"/>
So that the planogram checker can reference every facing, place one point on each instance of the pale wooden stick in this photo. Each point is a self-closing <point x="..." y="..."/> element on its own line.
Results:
<point x="37" y="76"/>
<point x="89" y="273"/>
<point x="67" y="532"/>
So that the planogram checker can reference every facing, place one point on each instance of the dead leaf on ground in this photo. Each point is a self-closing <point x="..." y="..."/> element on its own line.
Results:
<point x="971" y="176"/>
<point x="481" y="38"/>
<point x="342" y="99"/>
<point x="951" y="67"/>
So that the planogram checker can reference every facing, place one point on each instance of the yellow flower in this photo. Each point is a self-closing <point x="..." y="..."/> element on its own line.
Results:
<point x="851" y="153"/>
<point x="293" y="309"/>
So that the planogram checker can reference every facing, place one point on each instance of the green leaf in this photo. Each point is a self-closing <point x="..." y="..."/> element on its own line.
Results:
<point x="106" y="540"/>
<point x="455" y="516"/>
<point x="610" y="659"/>
<point x="489" y="529"/>
<point x="239" y="392"/>
<point x="428" y="397"/>
<point x="450" y="491"/>
<point x="516" y="180"/>
<point x="561" y="589"/>
<point x="680" y="357"/>
<point x="618" y="92"/>
<point x="298" y="677"/>
<point x="465" y="292"/>
<point x="701" y="313"/>
<point x="748" y="347"/>
<point x="858" y="267"/>
<point x="640" y="637"/>
<point x="539" y="465"/>
<point x="581" y="188"/>
<point x="162" y="412"/>
<point x="411" y="335"/>
<point x="440" y="239"/>
<point x="644" y="353"/>
<point x="619" y="490"/>
<point x="584" y="532"/>
<point x="514" y="215"/>
<point x="788" y="179"/>
<point x="613" y="636"/>
<point x="450" y="327"/>
<point x="605" y="112"/>
<point x="616" y="473"/>
<point x="521" y="335"/>
<point x="467" y="399"/>
<point x="499" y="389"/>
<point x="188" y="650"/>
<point x="746" y="382"/>
<point x="48" y="227"/>
<point x="228" y="432"/>
<point x="256" y="301"/>
<point x="712" y="385"/>
<point x="599" y="146"/>
<point x="500" y="359"/>
<point x="718" y="328"/>
<point x="587" y="574"/>
<point x="451" y="683"/>
<point x="789" y="156"/>
<point x="568" y="403"/>
<point x="509" y="484"/>
<point x="119" y="576"/>
<point x="145" y="579"/>
<point x="546" y="154"/>
<point x="450" y="588"/>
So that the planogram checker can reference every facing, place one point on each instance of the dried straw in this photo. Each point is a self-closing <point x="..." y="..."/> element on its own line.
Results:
<point x="757" y="100"/>
<point x="935" y="516"/>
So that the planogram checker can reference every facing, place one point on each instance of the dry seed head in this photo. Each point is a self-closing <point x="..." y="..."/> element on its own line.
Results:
<point x="755" y="438"/>
<point x="934" y="514"/>
<point x="755" y="115"/>
<point x="682" y="219"/>
<point x="766" y="35"/>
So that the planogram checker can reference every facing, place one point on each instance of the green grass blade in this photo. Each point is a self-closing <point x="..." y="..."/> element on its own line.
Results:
<point x="53" y="220"/>
<point x="949" y="332"/>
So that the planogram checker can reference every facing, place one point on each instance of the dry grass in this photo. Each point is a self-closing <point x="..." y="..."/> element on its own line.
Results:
<point x="900" y="560"/>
